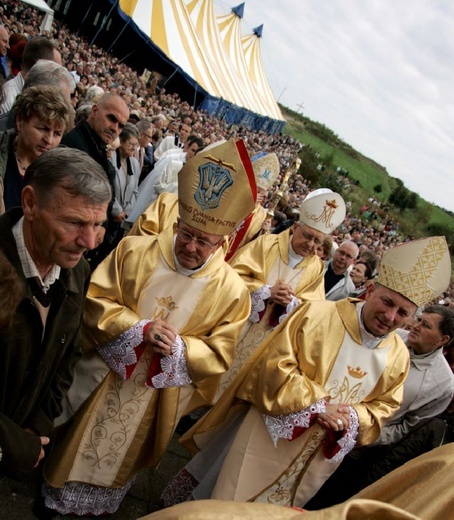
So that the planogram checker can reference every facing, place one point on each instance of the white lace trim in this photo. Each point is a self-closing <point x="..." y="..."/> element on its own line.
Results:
<point x="174" y="367"/>
<point x="120" y="353"/>
<point x="348" y="441"/>
<point x="282" y="426"/>
<point x="84" y="499"/>
<point x="290" y="308"/>
<point x="258" y="298"/>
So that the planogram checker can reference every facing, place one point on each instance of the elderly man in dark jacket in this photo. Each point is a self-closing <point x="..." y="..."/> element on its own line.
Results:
<point x="64" y="202"/>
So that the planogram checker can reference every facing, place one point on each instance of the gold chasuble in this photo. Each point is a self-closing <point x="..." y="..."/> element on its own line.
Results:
<point x="160" y="215"/>
<point x="317" y="354"/>
<point x="263" y="262"/>
<point x="125" y="425"/>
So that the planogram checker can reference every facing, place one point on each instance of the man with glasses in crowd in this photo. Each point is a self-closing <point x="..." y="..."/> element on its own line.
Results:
<point x="162" y="318"/>
<point x="338" y="284"/>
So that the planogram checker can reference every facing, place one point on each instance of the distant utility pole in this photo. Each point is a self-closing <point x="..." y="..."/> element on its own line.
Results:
<point x="280" y="95"/>
<point x="300" y="107"/>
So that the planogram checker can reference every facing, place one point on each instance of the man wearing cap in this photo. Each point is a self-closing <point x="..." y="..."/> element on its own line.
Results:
<point x="164" y="314"/>
<point x="164" y="210"/>
<point x="323" y="382"/>
<point x="282" y="270"/>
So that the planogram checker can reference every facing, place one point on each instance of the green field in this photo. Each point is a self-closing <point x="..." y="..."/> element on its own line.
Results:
<point x="423" y="220"/>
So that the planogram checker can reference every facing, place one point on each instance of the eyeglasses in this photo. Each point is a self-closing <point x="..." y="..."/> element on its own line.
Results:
<point x="201" y="243"/>
<point x="149" y="136"/>
<point x="311" y="238"/>
<point x="340" y="252"/>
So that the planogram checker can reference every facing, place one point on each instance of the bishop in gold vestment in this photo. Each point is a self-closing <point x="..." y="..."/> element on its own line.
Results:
<point x="281" y="271"/>
<point x="325" y="380"/>
<point x="164" y="313"/>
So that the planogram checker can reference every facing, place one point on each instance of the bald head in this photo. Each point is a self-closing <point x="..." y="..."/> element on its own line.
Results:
<point x="4" y="41"/>
<point x="108" y="117"/>
<point x="344" y="256"/>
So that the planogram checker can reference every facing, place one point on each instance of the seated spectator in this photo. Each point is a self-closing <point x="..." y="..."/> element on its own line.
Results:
<point x="127" y="173"/>
<point x="42" y="117"/>
<point x="36" y="49"/>
<point x="360" y="274"/>
<point x="46" y="73"/>
<point x="324" y="250"/>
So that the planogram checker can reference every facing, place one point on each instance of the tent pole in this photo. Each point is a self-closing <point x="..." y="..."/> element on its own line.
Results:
<point x="170" y="77"/>
<point x="195" y="95"/>
<point x="119" y="34"/>
<point x="130" y="54"/>
<point x="103" y="22"/>
<point x="85" y="17"/>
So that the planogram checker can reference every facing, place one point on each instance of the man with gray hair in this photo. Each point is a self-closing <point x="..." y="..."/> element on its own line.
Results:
<point x="39" y="48"/>
<point x="43" y="72"/>
<point x="64" y="203"/>
<point x="145" y="151"/>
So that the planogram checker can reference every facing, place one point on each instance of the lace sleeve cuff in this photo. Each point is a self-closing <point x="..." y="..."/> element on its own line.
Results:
<point x="174" y="368"/>
<point x="121" y="354"/>
<point x="334" y="448"/>
<point x="258" y="303"/>
<point x="290" y="308"/>
<point x="292" y="425"/>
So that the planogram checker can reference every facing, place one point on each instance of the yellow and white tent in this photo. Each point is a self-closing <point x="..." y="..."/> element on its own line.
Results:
<point x="203" y="57"/>
<point x="212" y="51"/>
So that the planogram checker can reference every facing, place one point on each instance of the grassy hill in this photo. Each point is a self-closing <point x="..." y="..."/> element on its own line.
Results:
<point x="420" y="218"/>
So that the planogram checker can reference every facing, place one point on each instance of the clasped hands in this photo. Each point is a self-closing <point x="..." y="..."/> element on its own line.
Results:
<point x="281" y="293"/>
<point x="336" y="417"/>
<point x="161" y="336"/>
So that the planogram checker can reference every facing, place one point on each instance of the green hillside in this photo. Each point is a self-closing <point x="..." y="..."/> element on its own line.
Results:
<point x="365" y="177"/>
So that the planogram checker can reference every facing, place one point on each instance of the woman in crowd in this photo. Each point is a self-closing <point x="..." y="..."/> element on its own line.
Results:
<point x="42" y="116"/>
<point x="127" y="172"/>
<point x="360" y="274"/>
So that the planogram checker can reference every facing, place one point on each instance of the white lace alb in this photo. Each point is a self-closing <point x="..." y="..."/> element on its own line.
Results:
<point x="348" y="441"/>
<point x="258" y="299"/>
<point x="174" y="367"/>
<point x="282" y="426"/>
<point x="289" y="308"/>
<point x="120" y="353"/>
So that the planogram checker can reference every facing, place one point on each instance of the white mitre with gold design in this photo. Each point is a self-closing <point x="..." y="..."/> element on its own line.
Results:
<point x="323" y="210"/>
<point x="419" y="270"/>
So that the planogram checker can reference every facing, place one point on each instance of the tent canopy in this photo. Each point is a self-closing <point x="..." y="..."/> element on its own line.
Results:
<point x="211" y="50"/>
<point x="201" y="56"/>
<point x="46" y="24"/>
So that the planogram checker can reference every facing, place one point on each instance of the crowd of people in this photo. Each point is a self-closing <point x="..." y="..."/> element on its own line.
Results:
<point x="157" y="261"/>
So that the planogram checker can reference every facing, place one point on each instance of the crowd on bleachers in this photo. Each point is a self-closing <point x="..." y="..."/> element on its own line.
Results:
<point x="137" y="137"/>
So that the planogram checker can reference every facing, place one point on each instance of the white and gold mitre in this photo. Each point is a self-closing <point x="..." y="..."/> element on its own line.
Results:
<point x="217" y="189"/>
<point x="266" y="169"/>
<point x="419" y="270"/>
<point x="323" y="210"/>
